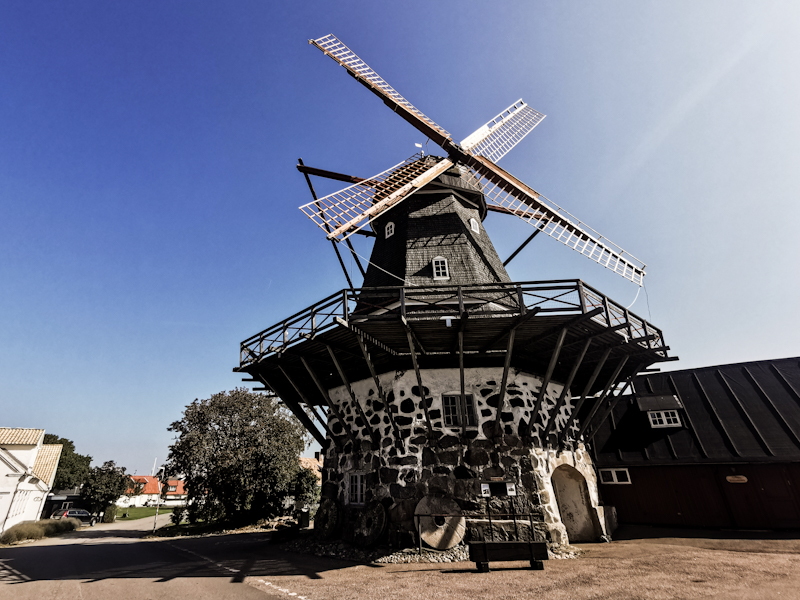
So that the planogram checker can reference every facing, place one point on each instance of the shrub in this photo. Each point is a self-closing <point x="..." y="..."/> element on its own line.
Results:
<point x="35" y="530"/>
<point x="177" y="515"/>
<point x="111" y="514"/>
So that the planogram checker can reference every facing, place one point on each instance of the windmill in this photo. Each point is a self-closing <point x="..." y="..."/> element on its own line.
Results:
<point x="348" y="211"/>
<point x="441" y="374"/>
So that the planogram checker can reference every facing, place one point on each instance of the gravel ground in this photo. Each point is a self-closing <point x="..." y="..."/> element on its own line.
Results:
<point x="655" y="568"/>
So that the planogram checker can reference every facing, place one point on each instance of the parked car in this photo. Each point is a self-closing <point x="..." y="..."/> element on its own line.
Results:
<point x="75" y="513"/>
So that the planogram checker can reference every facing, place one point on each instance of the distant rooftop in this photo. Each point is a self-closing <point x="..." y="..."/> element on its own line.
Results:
<point x="19" y="436"/>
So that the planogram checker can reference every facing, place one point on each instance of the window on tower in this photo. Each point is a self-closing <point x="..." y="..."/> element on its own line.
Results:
<point x="389" y="229"/>
<point x="440" y="270"/>
<point x="473" y="224"/>
<point x="458" y="410"/>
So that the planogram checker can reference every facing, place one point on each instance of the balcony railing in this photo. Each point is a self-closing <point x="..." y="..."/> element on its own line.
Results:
<point x="566" y="297"/>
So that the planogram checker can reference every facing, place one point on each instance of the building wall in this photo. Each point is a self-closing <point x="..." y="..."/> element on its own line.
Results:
<point x="709" y="496"/>
<point x="451" y="462"/>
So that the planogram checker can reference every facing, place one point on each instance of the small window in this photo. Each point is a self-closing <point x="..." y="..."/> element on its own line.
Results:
<point x="440" y="270"/>
<point x="172" y="488"/>
<point x="357" y="488"/>
<point x="455" y="411"/>
<point x="473" y="224"/>
<point x="615" y="476"/>
<point x="664" y="418"/>
<point x="389" y="230"/>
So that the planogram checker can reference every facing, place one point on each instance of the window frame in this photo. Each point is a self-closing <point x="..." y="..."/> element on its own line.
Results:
<point x="442" y="261"/>
<point x="474" y="225"/>
<point x="662" y="419"/>
<point x="388" y="231"/>
<point x="615" y="480"/>
<point x="463" y="406"/>
<point x="360" y="488"/>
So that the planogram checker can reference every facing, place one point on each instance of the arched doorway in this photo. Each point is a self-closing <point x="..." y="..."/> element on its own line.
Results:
<point x="574" y="505"/>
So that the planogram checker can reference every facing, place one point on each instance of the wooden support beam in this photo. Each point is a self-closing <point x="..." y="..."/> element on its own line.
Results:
<point x="521" y="246"/>
<point x="327" y="229"/>
<point x="569" y="324"/>
<point x="362" y="344"/>
<point x="591" y="336"/>
<point x="599" y="401"/>
<point x="360" y="333"/>
<point x="554" y="413"/>
<point x="410" y="338"/>
<point x="503" y="382"/>
<point x="329" y="402"/>
<point x="298" y="412"/>
<point x="598" y="367"/>
<point x="550" y="368"/>
<point x="612" y="402"/>
<point x="308" y="403"/>
<point x="349" y="389"/>
<point x="518" y="321"/>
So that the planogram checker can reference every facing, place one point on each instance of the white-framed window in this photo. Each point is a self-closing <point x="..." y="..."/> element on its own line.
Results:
<point x="473" y="224"/>
<point x="357" y="488"/>
<point x="172" y="488"/>
<point x="455" y="409"/>
<point x="664" y="418"/>
<point x="440" y="270"/>
<point x="389" y="230"/>
<point x="615" y="476"/>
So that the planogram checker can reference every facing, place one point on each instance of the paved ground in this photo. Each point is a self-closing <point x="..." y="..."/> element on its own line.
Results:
<point x="113" y="562"/>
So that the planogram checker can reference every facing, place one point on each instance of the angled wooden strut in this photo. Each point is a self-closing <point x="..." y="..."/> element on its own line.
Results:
<point x="362" y="344"/>
<point x="599" y="401"/>
<point x="300" y="393"/>
<point x="324" y="393"/>
<point x="410" y="338"/>
<point x="298" y="412"/>
<point x="562" y="438"/>
<point x="545" y="382"/>
<point x="560" y="402"/>
<point x="355" y="401"/>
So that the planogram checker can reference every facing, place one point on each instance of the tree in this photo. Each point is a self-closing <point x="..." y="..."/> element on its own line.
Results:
<point x="72" y="467"/>
<point x="104" y="485"/>
<point x="238" y="452"/>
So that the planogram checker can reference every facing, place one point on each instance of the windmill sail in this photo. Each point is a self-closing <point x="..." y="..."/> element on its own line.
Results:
<point x="334" y="48"/>
<point x="501" y="134"/>
<point x="343" y="213"/>
<point x="503" y="190"/>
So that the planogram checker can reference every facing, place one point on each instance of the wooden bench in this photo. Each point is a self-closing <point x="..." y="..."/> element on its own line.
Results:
<point x="481" y="553"/>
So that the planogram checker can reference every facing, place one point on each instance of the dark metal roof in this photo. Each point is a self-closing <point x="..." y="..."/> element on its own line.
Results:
<point x="742" y="412"/>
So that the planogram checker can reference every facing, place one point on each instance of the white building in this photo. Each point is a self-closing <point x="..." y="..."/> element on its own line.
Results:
<point x="27" y="470"/>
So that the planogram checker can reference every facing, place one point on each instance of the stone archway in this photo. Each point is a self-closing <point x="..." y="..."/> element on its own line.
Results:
<point x="574" y="504"/>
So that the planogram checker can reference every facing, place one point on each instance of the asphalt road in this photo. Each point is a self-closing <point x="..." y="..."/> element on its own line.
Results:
<point x="112" y="561"/>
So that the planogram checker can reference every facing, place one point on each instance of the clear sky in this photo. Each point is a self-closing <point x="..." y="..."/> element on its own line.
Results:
<point x="148" y="195"/>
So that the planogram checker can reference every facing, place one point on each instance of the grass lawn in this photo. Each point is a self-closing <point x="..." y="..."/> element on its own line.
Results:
<point x="140" y="512"/>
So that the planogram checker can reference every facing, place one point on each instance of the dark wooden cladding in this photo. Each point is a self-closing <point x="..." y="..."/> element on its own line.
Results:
<point x="731" y="413"/>
<point x="703" y="496"/>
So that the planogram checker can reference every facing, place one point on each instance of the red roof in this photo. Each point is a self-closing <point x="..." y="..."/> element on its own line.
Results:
<point x="150" y="484"/>
<point x="179" y="491"/>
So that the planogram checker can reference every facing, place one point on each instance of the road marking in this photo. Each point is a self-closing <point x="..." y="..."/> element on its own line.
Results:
<point x="205" y="558"/>
<point x="278" y="589"/>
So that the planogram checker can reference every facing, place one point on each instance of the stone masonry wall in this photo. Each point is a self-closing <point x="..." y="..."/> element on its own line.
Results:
<point x="447" y="461"/>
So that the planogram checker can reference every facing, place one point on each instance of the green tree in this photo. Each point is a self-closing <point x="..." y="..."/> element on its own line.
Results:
<point x="104" y="485"/>
<point x="238" y="452"/>
<point x="72" y="467"/>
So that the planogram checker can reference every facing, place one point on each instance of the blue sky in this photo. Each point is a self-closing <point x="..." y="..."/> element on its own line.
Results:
<point x="148" y="195"/>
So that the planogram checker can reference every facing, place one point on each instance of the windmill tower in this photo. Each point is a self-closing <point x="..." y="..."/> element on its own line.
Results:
<point x="441" y="377"/>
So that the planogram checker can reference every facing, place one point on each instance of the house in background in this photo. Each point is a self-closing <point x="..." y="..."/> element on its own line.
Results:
<point x="27" y="470"/>
<point x="152" y="490"/>
<point x="313" y="464"/>
<point x="710" y="447"/>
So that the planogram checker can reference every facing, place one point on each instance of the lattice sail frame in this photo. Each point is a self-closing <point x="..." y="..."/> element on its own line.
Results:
<point x="502" y="189"/>
<point x="333" y="47"/>
<point x="345" y="212"/>
<point x="495" y="139"/>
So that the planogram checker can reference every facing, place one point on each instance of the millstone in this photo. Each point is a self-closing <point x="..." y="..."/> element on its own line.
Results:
<point x="370" y="524"/>
<point x="326" y="521"/>
<point x="440" y="532"/>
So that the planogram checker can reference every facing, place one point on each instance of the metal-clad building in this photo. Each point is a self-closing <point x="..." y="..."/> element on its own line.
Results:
<point x="710" y="447"/>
